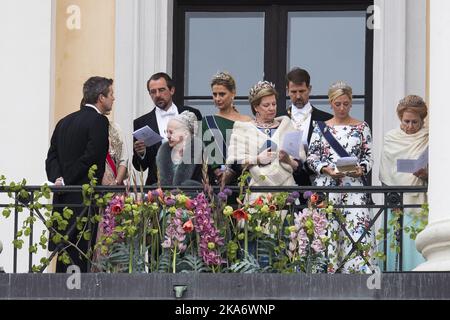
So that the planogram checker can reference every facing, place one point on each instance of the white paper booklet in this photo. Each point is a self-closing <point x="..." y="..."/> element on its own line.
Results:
<point x="292" y="142"/>
<point x="147" y="135"/>
<point x="413" y="165"/>
<point x="346" y="164"/>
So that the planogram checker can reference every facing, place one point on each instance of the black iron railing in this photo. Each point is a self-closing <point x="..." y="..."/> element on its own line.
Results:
<point x="391" y="198"/>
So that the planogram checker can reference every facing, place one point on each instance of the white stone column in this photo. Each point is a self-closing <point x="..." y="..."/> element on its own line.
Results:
<point x="25" y="111"/>
<point x="434" y="241"/>
<point x="143" y="47"/>
<point x="389" y="72"/>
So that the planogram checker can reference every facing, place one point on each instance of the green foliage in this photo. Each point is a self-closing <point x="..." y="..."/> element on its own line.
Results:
<point x="232" y="250"/>
<point x="165" y="262"/>
<point x="6" y="212"/>
<point x="248" y="264"/>
<point x="87" y="235"/>
<point x="190" y="263"/>
<point x="67" y="213"/>
<point x="64" y="257"/>
<point x="18" y="243"/>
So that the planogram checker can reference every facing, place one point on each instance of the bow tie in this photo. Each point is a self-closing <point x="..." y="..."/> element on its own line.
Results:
<point x="167" y="114"/>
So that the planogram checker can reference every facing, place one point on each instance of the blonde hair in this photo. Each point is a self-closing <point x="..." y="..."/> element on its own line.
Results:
<point x="338" y="89"/>
<point x="412" y="103"/>
<point x="260" y="90"/>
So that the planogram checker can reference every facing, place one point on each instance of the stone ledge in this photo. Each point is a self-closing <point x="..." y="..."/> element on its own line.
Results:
<point x="405" y="286"/>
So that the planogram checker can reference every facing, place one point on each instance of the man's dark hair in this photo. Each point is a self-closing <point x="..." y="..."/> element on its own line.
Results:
<point x="159" y="75"/>
<point x="298" y="76"/>
<point x="94" y="87"/>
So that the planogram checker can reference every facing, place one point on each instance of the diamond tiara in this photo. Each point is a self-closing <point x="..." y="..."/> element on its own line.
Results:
<point x="260" y="86"/>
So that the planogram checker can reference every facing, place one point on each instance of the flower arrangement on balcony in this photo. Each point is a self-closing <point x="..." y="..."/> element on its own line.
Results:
<point x="169" y="231"/>
<point x="203" y="233"/>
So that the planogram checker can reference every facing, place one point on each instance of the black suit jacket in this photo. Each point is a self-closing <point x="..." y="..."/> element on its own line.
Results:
<point x="302" y="175"/>
<point x="79" y="141"/>
<point x="149" y="161"/>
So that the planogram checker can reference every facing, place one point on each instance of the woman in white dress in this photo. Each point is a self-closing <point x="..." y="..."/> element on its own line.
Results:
<point x="353" y="138"/>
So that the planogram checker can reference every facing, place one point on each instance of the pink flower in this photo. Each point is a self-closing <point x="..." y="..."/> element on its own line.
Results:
<point x="209" y="235"/>
<point x="300" y="240"/>
<point x="181" y="247"/>
<point x="175" y="233"/>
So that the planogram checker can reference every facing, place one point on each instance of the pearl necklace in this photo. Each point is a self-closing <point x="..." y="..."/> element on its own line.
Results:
<point x="265" y="125"/>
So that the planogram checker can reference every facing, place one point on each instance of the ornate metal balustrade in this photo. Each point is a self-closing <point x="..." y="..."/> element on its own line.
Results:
<point x="386" y="198"/>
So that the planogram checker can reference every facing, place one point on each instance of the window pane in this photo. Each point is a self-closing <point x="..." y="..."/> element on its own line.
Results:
<point x="330" y="45"/>
<point x="223" y="41"/>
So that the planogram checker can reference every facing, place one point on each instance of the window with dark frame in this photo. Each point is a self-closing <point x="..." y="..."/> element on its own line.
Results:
<point x="332" y="43"/>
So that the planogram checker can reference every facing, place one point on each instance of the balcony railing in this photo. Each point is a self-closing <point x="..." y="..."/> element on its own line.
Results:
<point x="385" y="199"/>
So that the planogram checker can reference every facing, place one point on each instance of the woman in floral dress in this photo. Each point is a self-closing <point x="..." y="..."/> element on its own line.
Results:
<point x="355" y="138"/>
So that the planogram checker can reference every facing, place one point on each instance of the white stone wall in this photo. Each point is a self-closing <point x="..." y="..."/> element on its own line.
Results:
<point x="434" y="241"/>
<point x="399" y="65"/>
<point x="25" y="82"/>
<point x="143" y="47"/>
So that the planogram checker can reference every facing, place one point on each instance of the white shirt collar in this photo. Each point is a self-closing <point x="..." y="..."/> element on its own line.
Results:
<point x="307" y="108"/>
<point x="163" y="117"/>
<point x="92" y="106"/>
<point x="173" y="110"/>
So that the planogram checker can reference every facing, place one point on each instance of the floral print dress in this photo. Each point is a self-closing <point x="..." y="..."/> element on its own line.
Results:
<point x="357" y="141"/>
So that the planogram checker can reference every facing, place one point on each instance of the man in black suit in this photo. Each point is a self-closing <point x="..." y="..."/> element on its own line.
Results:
<point x="79" y="141"/>
<point x="302" y="114"/>
<point x="161" y="89"/>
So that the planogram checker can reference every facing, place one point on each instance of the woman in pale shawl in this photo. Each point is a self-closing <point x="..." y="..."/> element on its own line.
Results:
<point x="257" y="144"/>
<point x="410" y="141"/>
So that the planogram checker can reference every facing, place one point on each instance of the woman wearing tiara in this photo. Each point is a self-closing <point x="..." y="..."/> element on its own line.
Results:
<point x="179" y="159"/>
<point x="344" y="136"/>
<point x="257" y="144"/>
<point x="216" y="130"/>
